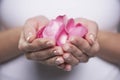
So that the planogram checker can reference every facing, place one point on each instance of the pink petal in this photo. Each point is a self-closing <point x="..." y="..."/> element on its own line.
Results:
<point x="39" y="33"/>
<point x="62" y="38"/>
<point x="53" y="29"/>
<point x="62" y="19"/>
<point x="60" y="29"/>
<point x="69" y="25"/>
<point x="78" y="31"/>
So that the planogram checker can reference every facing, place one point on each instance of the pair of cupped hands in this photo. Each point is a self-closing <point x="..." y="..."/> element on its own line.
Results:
<point x="44" y="50"/>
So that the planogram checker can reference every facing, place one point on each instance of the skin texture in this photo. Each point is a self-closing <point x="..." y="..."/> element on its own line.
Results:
<point x="44" y="50"/>
<point x="9" y="44"/>
<point x="68" y="55"/>
<point x="109" y="46"/>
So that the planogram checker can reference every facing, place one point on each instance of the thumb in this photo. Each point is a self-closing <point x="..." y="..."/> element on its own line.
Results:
<point x="32" y="25"/>
<point x="29" y="30"/>
<point x="92" y="33"/>
<point x="92" y="29"/>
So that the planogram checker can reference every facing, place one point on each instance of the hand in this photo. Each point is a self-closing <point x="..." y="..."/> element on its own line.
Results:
<point x="42" y="50"/>
<point x="79" y="49"/>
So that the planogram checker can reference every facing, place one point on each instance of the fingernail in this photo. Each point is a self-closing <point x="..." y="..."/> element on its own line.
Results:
<point x="58" y="52"/>
<point x="50" y="43"/>
<point x="66" y="47"/>
<point x="68" y="68"/>
<point x="92" y="37"/>
<point x="29" y="36"/>
<point x="59" y="61"/>
<point x="66" y="57"/>
<point x="72" y="39"/>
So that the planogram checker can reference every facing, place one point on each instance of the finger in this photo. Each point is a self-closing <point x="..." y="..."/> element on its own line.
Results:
<point x="91" y="35"/>
<point x="92" y="28"/>
<point x="59" y="61"/>
<point x="32" y="25"/>
<point x="84" y="58"/>
<point x="81" y="43"/>
<point x="61" y="66"/>
<point x="44" y="54"/>
<point x="52" y="61"/>
<point x="94" y="49"/>
<point x="77" y="53"/>
<point x="70" y="59"/>
<point x="65" y="67"/>
<point x="37" y="44"/>
<point x="68" y="67"/>
<point x="42" y="20"/>
<point x="29" y="32"/>
<point x="21" y="43"/>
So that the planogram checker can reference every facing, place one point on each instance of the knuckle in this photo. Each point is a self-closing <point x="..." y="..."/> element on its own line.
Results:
<point x="84" y="58"/>
<point x="82" y="42"/>
<point x="45" y="55"/>
<point x="35" y="56"/>
<point x="86" y="48"/>
<point x="75" y="52"/>
<point x="67" y="57"/>
<point x="42" y="44"/>
<point x="51" y="52"/>
<point x="75" y="62"/>
<point x="22" y="47"/>
<point x="69" y="60"/>
<point x="75" y="41"/>
<point x="38" y="41"/>
<point x="40" y="56"/>
<point x="71" y="48"/>
<point x="79" y="55"/>
<point x="51" y="61"/>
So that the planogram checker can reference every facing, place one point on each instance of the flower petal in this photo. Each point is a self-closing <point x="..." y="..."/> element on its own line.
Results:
<point x="62" y="38"/>
<point x="53" y="29"/>
<point x="78" y="31"/>
<point x="39" y="33"/>
<point x="69" y="25"/>
<point x="60" y="29"/>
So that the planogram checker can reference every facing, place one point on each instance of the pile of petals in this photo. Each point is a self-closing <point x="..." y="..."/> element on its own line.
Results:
<point x="60" y="29"/>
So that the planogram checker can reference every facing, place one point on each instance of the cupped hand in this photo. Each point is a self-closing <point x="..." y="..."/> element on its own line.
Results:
<point x="42" y="50"/>
<point x="81" y="49"/>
